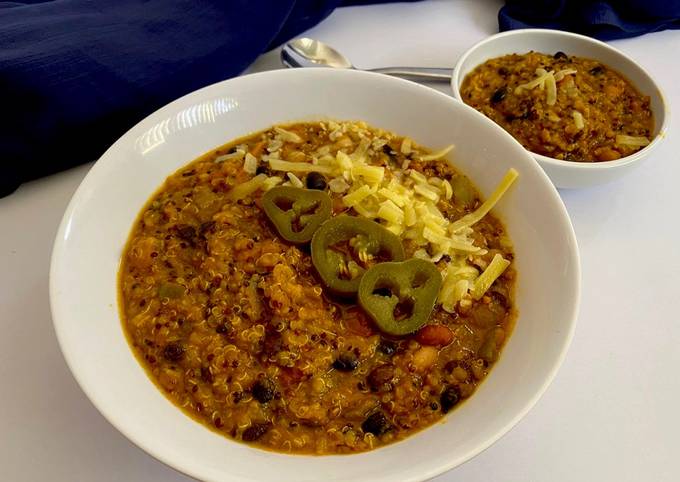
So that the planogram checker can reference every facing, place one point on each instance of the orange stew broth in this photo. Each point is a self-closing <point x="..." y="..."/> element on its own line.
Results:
<point x="608" y="103"/>
<point x="234" y="327"/>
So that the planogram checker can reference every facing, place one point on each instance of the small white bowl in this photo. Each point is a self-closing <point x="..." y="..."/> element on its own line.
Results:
<point x="93" y="232"/>
<point x="569" y="174"/>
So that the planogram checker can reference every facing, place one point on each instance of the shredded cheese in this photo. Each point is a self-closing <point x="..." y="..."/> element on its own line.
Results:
<point x="433" y="237"/>
<point x="250" y="163"/>
<point x="578" y="120"/>
<point x="354" y="198"/>
<point x="288" y="136"/>
<point x="417" y="177"/>
<point x="542" y="74"/>
<point x="409" y="215"/>
<point x="362" y="148"/>
<point x="448" y="190"/>
<point x="370" y="174"/>
<point x="391" y="213"/>
<point x="343" y="162"/>
<point x="406" y="146"/>
<point x="405" y="201"/>
<point x="545" y="80"/>
<point x="236" y="155"/>
<point x="323" y="150"/>
<point x="452" y="292"/>
<point x="365" y="212"/>
<point x="550" y="89"/>
<point x="338" y="184"/>
<point x="561" y="74"/>
<point x="426" y="192"/>
<point x="280" y="165"/>
<point x="491" y="273"/>
<point x="432" y="224"/>
<point x="397" y="199"/>
<point x="481" y="211"/>
<point x="247" y="188"/>
<point x="631" y="140"/>
<point x="270" y="182"/>
<point x="438" y="154"/>
<point x="294" y="180"/>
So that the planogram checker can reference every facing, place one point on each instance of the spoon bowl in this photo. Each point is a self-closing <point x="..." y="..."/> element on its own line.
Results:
<point x="307" y="52"/>
<point x="319" y="53"/>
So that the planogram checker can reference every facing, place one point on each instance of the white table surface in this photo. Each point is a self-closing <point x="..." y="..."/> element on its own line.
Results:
<point x="613" y="411"/>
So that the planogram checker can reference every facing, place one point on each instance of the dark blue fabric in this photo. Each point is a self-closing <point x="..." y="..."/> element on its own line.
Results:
<point x="76" y="74"/>
<point x="606" y="20"/>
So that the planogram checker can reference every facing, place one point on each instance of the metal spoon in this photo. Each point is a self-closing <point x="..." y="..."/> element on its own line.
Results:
<point x="307" y="52"/>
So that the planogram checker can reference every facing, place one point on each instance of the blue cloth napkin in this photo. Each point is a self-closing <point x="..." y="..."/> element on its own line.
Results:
<point x="76" y="74"/>
<point x="605" y="20"/>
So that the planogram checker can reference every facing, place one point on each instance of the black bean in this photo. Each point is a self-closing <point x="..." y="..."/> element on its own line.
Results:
<point x="503" y="72"/>
<point x="186" y="232"/>
<point x="376" y="424"/>
<point x="449" y="398"/>
<point x="387" y="347"/>
<point x="596" y="70"/>
<point x="173" y="352"/>
<point x="255" y="431"/>
<point x="560" y="55"/>
<point x="346" y="362"/>
<point x="262" y="170"/>
<point x="380" y="378"/>
<point x="263" y="390"/>
<point x="316" y="181"/>
<point x="499" y="95"/>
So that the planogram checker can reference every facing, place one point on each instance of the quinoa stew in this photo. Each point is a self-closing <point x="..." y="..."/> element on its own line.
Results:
<point x="562" y="106"/>
<point x="318" y="288"/>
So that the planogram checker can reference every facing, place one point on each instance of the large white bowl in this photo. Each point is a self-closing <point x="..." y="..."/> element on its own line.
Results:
<point x="96" y="224"/>
<point x="569" y="174"/>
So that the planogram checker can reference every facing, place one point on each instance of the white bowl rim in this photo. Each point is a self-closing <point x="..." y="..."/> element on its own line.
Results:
<point x="585" y="166"/>
<point x="187" y="466"/>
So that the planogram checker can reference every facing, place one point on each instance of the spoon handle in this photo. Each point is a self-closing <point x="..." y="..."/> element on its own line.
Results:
<point x="417" y="73"/>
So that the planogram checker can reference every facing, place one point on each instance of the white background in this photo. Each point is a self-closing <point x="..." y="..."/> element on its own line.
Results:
<point x="612" y="413"/>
